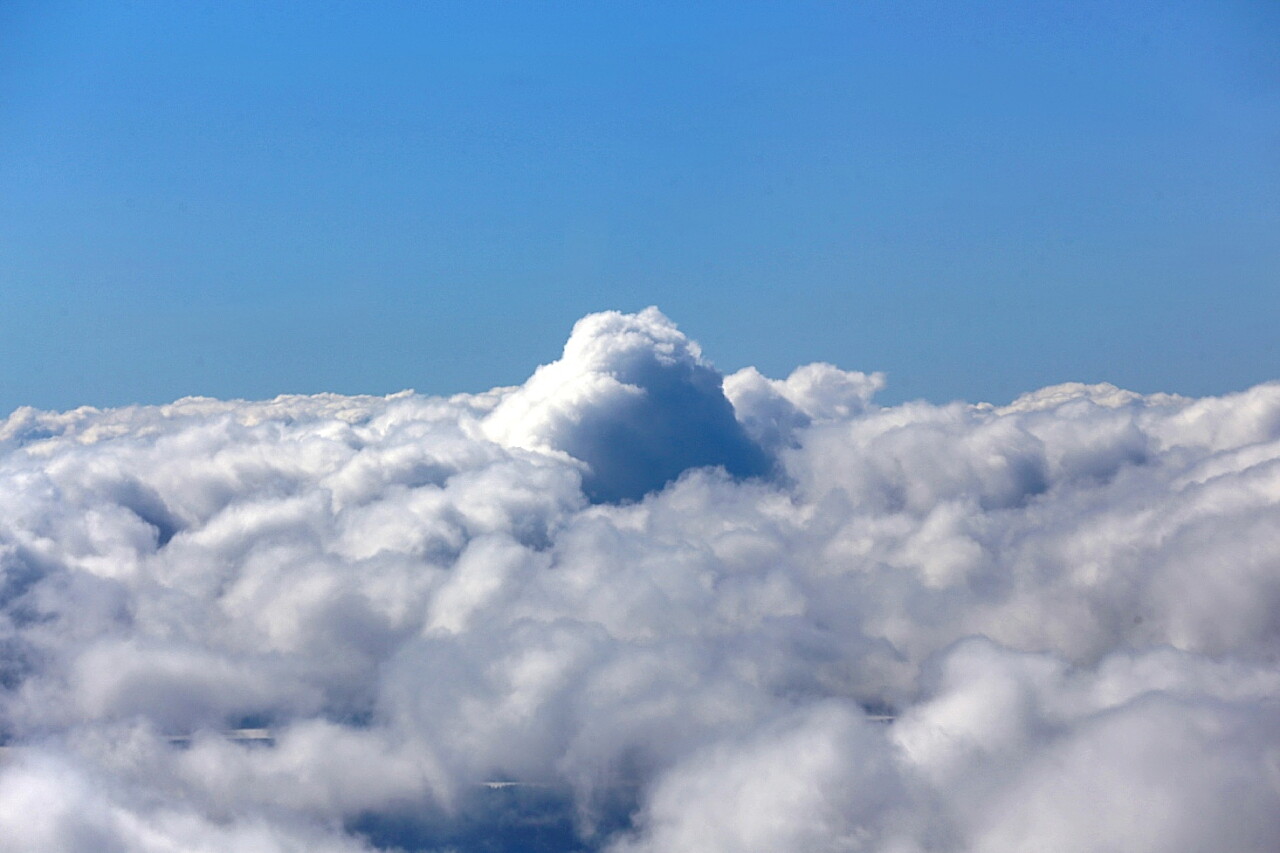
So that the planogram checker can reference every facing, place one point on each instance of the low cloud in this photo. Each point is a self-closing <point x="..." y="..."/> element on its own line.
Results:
<point x="671" y="608"/>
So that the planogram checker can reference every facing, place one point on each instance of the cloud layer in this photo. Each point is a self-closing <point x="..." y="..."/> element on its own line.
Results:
<point x="670" y="606"/>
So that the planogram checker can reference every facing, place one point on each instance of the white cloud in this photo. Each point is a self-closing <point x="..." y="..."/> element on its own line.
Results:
<point x="660" y="599"/>
<point x="633" y="399"/>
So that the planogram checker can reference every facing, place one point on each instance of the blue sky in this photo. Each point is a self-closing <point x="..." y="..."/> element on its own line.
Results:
<point x="246" y="199"/>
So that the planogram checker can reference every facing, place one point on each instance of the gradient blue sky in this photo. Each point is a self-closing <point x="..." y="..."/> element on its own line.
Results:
<point x="246" y="199"/>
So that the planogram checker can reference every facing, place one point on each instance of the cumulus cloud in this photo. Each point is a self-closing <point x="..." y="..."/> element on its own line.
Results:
<point x="636" y="605"/>
<point x="632" y="399"/>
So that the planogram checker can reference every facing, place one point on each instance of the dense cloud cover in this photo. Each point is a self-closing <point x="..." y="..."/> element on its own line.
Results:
<point x="674" y="607"/>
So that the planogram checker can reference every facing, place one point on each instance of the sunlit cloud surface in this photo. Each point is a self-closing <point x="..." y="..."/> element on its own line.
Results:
<point x="635" y="605"/>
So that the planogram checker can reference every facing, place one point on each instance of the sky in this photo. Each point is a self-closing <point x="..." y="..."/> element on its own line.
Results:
<point x="241" y="200"/>
<point x="838" y="426"/>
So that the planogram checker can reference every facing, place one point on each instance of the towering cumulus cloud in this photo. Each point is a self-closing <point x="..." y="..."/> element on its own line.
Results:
<point x="631" y="398"/>
<point x="633" y="605"/>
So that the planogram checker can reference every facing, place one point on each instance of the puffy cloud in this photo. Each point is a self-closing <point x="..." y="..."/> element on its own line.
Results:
<point x="772" y="410"/>
<point x="633" y="399"/>
<point x="669" y="606"/>
<point x="49" y="805"/>
<point x="819" y="779"/>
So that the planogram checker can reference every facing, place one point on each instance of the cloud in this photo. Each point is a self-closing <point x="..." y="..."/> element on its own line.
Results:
<point x="670" y="607"/>
<point x="633" y="399"/>
<point x="773" y="410"/>
<point x="819" y="779"/>
<point x="49" y="805"/>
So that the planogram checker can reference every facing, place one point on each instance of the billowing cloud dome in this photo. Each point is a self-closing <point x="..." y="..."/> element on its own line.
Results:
<point x="633" y="399"/>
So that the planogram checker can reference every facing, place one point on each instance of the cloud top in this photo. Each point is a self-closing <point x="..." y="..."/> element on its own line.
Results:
<point x="632" y="398"/>
<point x="665" y="609"/>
